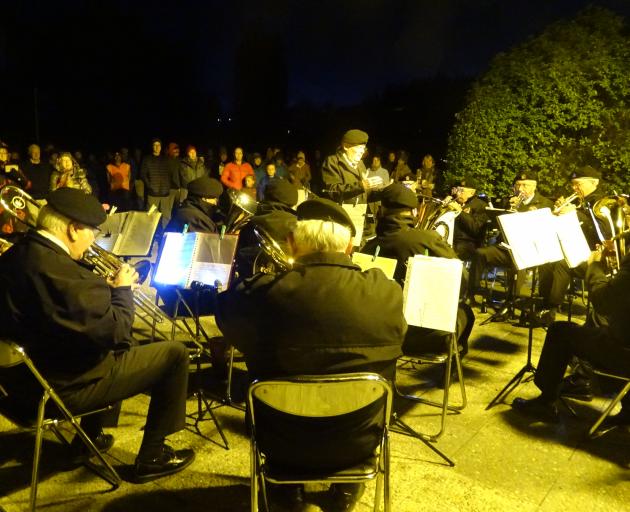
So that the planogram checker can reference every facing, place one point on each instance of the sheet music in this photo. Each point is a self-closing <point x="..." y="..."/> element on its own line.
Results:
<point x="367" y="261"/>
<point x="532" y="237"/>
<point x="175" y="259"/>
<point x="208" y="273"/>
<point x="129" y="233"/>
<point x="431" y="292"/>
<point x="357" y="215"/>
<point x="572" y="240"/>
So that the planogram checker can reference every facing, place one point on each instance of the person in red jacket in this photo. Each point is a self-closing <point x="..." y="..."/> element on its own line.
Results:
<point x="234" y="172"/>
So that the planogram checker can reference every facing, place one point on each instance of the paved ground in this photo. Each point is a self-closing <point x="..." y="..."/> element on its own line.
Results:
<point x="504" y="462"/>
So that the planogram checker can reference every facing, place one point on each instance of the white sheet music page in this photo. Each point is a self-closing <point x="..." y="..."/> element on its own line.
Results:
<point x="531" y="237"/>
<point x="367" y="261"/>
<point x="357" y="216"/>
<point x="572" y="240"/>
<point x="431" y="292"/>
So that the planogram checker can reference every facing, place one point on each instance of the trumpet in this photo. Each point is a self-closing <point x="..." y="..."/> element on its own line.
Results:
<point x="24" y="208"/>
<point x="567" y="202"/>
<point x="516" y="202"/>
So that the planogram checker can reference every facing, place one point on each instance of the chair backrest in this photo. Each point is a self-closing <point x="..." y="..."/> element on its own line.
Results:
<point x="322" y="396"/>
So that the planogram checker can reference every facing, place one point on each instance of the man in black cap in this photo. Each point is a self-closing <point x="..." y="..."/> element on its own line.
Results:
<point x="343" y="175"/>
<point x="472" y="219"/>
<point x="556" y="277"/>
<point x="398" y="238"/>
<point x="199" y="209"/>
<point x="276" y="216"/>
<point x="526" y="198"/>
<point x="76" y="327"/>
<point x="316" y="319"/>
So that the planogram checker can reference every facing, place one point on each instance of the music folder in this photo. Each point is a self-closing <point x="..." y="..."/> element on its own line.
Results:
<point x="368" y="261"/>
<point x="202" y="257"/>
<point x="129" y="233"/>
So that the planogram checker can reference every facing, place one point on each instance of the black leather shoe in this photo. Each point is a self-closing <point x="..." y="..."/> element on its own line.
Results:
<point x="537" y="408"/>
<point x="169" y="462"/>
<point x="576" y="387"/>
<point x="81" y="453"/>
<point x="544" y="318"/>
<point x="343" y="497"/>
<point x="620" y="420"/>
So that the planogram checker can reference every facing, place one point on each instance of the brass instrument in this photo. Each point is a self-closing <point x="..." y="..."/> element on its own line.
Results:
<point x="612" y="210"/>
<point x="575" y="196"/>
<point x="23" y="207"/>
<point x="272" y="258"/>
<point x="242" y="209"/>
<point x="4" y="245"/>
<point x="519" y="200"/>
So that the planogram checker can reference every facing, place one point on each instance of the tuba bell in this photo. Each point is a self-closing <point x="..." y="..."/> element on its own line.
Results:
<point x="242" y="208"/>
<point x="271" y="258"/>
<point x="614" y="210"/>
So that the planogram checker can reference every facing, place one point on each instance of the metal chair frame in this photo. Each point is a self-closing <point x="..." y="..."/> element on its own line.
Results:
<point x="318" y="389"/>
<point x="594" y="431"/>
<point x="17" y="355"/>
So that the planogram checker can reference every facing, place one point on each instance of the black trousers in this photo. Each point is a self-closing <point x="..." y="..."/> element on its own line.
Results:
<point x="593" y="344"/>
<point x="555" y="279"/>
<point x="161" y="368"/>
<point x="493" y="256"/>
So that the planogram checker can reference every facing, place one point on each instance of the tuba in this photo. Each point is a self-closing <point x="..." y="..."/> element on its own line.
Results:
<point x="435" y="214"/>
<point x="24" y="208"/>
<point x="614" y="211"/>
<point x="242" y="209"/>
<point x="272" y="258"/>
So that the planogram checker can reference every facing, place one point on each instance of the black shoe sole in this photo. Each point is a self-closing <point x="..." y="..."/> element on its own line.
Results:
<point x="578" y="396"/>
<point x="141" y="479"/>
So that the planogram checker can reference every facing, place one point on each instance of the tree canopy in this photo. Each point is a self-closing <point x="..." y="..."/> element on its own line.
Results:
<point x="555" y="103"/>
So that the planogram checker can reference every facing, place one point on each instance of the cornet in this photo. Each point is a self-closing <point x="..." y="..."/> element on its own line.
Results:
<point x="567" y="202"/>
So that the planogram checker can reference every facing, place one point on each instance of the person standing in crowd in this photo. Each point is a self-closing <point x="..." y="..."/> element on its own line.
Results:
<point x="234" y="172"/>
<point x="270" y="176"/>
<point x="390" y="163"/>
<point x="155" y="175"/>
<point x="471" y="221"/>
<point x="10" y="173"/>
<point x="69" y="174"/>
<point x="38" y="172"/>
<point x="258" y="166"/>
<point x="76" y="326"/>
<point x="173" y="163"/>
<point x="191" y="168"/>
<point x="343" y="175"/>
<point x="427" y="176"/>
<point x="402" y="172"/>
<point x="323" y="299"/>
<point x="119" y="178"/>
<point x="300" y="172"/>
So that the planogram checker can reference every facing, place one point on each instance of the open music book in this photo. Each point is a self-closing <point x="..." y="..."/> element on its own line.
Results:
<point x="188" y="257"/>
<point x="357" y="216"/>
<point x="367" y="261"/>
<point x="129" y="233"/>
<point x="537" y="237"/>
<point x="431" y="292"/>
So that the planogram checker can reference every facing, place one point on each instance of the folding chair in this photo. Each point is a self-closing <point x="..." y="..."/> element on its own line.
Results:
<point x="327" y="396"/>
<point x="594" y="431"/>
<point x="12" y="355"/>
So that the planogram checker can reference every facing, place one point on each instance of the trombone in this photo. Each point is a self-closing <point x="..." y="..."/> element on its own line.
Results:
<point x="24" y="208"/>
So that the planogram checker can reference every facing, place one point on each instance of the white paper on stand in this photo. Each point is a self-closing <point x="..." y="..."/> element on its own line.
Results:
<point x="572" y="240"/>
<point x="367" y="261"/>
<point x="357" y="216"/>
<point x="431" y="292"/>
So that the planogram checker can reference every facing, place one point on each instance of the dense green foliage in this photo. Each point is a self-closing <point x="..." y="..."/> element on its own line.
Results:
<point x="557" y="102"/>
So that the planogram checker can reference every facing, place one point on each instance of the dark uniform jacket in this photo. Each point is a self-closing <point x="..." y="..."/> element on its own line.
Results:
<point x="538" y="201"/>
<point x="197" y="214"/>
<point x="68" y="319"/>
<point x="340" y="182"/>
<point x="470" y="224"/>
<point x="325" y="316"/>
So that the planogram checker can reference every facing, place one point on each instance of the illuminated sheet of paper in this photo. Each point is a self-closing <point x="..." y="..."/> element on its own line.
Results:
<point x="532" y="237"/>
<point x="431" y="292"/>
<point x="357" y="216"/>
<point x="572" y="240"/>
<point x="367" y="261"/>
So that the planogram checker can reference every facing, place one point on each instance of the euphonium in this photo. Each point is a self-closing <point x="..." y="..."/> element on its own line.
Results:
<point x="272" y="258"/>
<point x="611" y="209"/>
<point x="23" y="207"/>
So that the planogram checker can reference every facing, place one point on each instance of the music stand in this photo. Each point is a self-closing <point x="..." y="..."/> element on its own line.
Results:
<point x="190" y="264"/>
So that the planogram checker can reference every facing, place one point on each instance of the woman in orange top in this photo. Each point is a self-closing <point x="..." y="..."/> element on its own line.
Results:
<point x="119" y="177"/>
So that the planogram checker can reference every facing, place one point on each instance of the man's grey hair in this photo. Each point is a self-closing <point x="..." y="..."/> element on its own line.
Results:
<point x="51" y="220"/>
<point x="321" y="236"/>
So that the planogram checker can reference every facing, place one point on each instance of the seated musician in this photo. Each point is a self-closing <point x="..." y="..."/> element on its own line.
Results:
<point x="556" y="277"/>
<point x="397" y="238"/>
<point x="199" y="209"/>
<point x="276" y="215"/>
<point x="470" y="224"/>
<point x="603" y="341"/>
<point x="317" y="319"/>
<point x="76" y="327"/>
<point x="526" y="198"/>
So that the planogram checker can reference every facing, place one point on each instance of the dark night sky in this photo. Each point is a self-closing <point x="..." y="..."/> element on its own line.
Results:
<point x="153" y="60"/>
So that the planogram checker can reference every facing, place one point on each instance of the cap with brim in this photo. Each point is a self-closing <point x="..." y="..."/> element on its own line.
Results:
<point x="354" y="138"/>
<point x="282" y="191"/>
<point x="397" y="195"/>
<point x="325" y="209"/>
<point x="585" y="172"/>
<point x="77" y="206"/>
<point x="526" y="176"/>
<point x="205" y="187"/>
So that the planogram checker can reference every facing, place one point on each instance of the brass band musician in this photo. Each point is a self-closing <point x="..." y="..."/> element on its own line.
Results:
<point x="470" y="224"/>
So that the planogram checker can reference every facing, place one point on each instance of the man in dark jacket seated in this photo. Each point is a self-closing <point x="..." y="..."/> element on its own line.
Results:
<point x="397" y="238"/>
<point x="316" y="319"/>
<point x="198" y="211"/>
<point x="76" y="326"/>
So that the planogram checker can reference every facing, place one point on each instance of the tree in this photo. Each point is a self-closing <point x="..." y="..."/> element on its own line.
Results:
<point x="557" y="102"/>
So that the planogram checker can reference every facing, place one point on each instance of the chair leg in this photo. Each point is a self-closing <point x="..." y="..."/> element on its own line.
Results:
<point x="39" y="436"/>
<point x="386" y="469"/>
<point x="593" y="433"/>
<point x="254" y="477"/>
